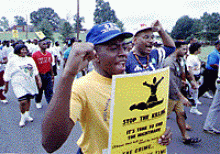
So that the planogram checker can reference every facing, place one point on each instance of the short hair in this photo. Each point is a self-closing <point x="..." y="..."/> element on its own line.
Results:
<point x="71" y="41"/>
<point x="18" y="47"/>
<point x="178" y="44"/>
<point x="194" y="47"/>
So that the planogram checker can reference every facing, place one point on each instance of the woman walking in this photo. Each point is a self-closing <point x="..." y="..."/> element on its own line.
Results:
<point x="22" y="72"/>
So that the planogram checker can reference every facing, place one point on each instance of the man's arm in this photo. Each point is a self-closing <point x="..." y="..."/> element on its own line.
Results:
<point x="167" y="40"/>
<point x="190" y="77"/>
<point x="57" y="124"/>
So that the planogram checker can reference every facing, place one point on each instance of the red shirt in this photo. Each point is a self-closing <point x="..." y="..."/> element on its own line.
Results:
<point x="43" y="61"/>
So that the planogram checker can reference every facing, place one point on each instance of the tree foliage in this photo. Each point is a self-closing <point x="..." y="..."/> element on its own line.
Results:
<point x="4" y="23"/>
<point x="66" y="30"/>
<point x="19" y="20"/>
<point x="206" y="28"/>
<point x="45" y="14"/>
<point x="183" y="28"/>
<point x="81" y="20"/>
<point x="46" y="28"/>
<point x="103" y="13"/>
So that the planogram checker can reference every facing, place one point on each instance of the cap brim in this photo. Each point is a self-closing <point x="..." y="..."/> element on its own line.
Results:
<point x="123" y="35"/>
<point x="144" y="29"/>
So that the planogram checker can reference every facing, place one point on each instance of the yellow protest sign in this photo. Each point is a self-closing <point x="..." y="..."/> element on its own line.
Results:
<point x="138" y="112"/>
<point x="40" y="35"/>
<point x="15" y="33"/>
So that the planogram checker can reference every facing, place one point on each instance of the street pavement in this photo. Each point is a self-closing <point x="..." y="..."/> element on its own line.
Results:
<point x="14" y="139"/>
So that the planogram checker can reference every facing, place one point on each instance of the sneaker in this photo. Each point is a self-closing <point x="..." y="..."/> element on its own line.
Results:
<point x="195" y="111"/>
<point x="4" y="101"/>
<point x="38" y="105"/>
<point x="207" y="95"/>
<point x="22" y="121"/>
<point x="28" y="117"/>
<point x="198" y="102"/>
<point x="212" y="131"/>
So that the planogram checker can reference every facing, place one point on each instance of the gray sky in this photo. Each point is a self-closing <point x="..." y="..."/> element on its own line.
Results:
<point x="130" y="12"/>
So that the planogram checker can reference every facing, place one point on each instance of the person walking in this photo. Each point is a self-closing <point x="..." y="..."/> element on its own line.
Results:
<point x="3" y="62"/>
<point x="212" y="116"/>
<point x="194" y="67"/>
<point x="87" y="99"/>
<point x="43" y="60"/>
<point x="176" y="97"/>
<point x="211" y="72"/>
<point x="22" y="72"/>
<point x="143" y="57"/>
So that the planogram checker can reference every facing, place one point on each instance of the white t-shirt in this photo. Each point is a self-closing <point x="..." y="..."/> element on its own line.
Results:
<point x="21" y="71"/>
<point x="57" y="50"/>
<point x="8" y="50"/>
<point x="3" y="54"/>
<point x="194" y="62"/>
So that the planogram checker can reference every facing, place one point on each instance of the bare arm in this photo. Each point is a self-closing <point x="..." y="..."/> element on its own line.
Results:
<point x="38" y="81"/>
<point x="174" y="87"/>
<point x="191" y="78"/>
<point x="57" y="124"/>
<point x="167" y="40"/>
<point x="6" y="87"/>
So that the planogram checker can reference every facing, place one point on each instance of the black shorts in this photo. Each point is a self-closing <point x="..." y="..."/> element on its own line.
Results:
<point x="26" y="97"/>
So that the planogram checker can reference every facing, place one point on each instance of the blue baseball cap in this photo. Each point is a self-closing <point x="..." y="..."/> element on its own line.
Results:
<point x="105" y="32"/>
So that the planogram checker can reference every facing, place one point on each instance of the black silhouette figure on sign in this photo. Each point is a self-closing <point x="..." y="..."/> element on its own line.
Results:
<point x="152" y="100"/>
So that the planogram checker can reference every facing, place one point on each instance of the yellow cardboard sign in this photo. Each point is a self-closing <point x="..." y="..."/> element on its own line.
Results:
<point x="15" y="33"/>
<point x="40" y="35"/>
<point x="138" y="112"/>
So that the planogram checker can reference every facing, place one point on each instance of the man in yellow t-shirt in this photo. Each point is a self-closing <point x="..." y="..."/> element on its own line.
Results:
<point x="87" y="100"/>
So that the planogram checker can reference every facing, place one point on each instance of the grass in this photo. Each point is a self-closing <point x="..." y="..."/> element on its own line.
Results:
<point x="32" y="35"/>
<point x="205" y="51"/>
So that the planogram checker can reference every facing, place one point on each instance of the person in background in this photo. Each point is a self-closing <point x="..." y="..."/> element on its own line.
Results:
<point x="194" y="67"/>
<point x="212" y="116"/>
<point x="87" y="99"/>
<point x="142" y="57"/>
<point x="67" y="51"/>
<point x="178" y="75"/>
<point x="211" y="72"/>
<point x="7" y="48"/>
<point x="3" y="62"/>
<point x="43" y="60"/>
<point x="22" y="72"/>
<point x="51" y="49"/>
<point x="58" y="52"/>
<point x="35" y="46"/>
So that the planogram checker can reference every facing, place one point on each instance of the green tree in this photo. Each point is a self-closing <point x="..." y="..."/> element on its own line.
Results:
<point x="47" y="14"/>
<point x="211" y="26"/>
<point x="46" y="28"/>
<point x="66" y="30"/>
<point x="4" y="23"/>
<point x="183" y="28"/>
<point x="103" y="13"/>
<point x="19" y="20"/>
<point x="81" y="20"/>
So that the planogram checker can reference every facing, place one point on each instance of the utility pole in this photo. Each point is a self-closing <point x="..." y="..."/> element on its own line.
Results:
<point x="78" y="30"/>
<point x="27" y="27"/>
